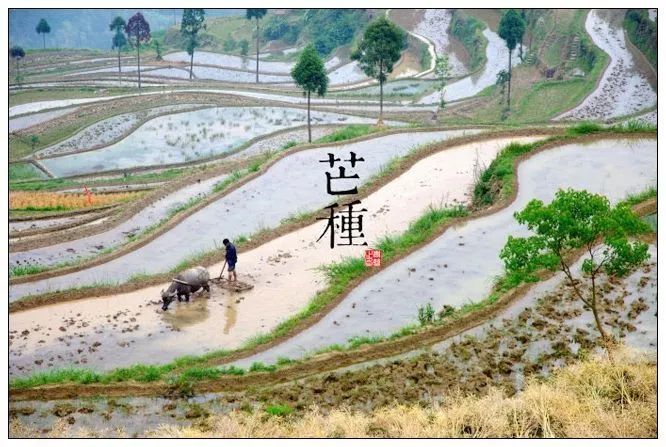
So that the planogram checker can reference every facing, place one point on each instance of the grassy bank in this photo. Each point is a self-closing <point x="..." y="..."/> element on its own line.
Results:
<point x="593" y="398"/>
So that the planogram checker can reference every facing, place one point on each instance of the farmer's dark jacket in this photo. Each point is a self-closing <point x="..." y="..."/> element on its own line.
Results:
<point x="230" y="255"/>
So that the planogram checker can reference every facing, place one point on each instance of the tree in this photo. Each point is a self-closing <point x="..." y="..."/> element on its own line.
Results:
<point x="138" y="29"/>
<point x="575" y="220"/>
<point x="17" y="53"/>
<point x="442" y="71"/>
<point x="511" y="29"/>
<point x="244" y="47"/>
<point x="43" y="28"/>
<point x="158" y="50"/>
<point x="119" y="40"/>
<point x="257" y="14"/>
<point x="377" y="52"/>
<point x="192" y="23"/>
<point x="309" y="74"/>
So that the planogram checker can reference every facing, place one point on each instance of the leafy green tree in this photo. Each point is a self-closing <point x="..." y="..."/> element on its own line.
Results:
<point x="511" y="29"/>
<point x="442" y="72"/>
<point x="244" y="47"/>
<point x="256" y="14"/>
<point x="309" y="74"/>
<point x="138" y="29"/>
<point x="119" y="40"/>
<point x="192" y="23"/>
<point x="17" y="53"/>
<point x="158" y="50"/>
<point x="43" y="28"/>
<point x="577" y="220"/>
<point x="378" y="50"/>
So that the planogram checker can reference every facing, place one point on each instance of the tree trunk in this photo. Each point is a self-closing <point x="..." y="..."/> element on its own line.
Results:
<point x="191" y="63"/>
<point x="18" y="72"/>
<point x="381" y="96"/>
<point x="595" y="312"/>
<point x="520" y="49"/>
<point x="120" y="70"/>
<point x="44" y="40"/>
<point x="309" y="129"/>
<point x="257" y="50"/>
<point x="138" y="60"/>
<point x="508" y="99"/>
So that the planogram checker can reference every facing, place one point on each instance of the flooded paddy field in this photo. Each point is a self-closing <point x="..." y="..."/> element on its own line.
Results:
<point x="27" y="121"/>
<point x="248" y="216"/>
<point x="284" y="267"/>
<point x="96" y="244"/>
<point x="108" y="130"/>
<point x="543" y="331"/>
<point x="497" y="56"/>
<point x="188" y="136"/>
<point x="460" y="266"/>
<point x="622" y="90"/>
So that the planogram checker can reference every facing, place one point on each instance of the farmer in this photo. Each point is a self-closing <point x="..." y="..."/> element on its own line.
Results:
<point x="230" y="258"/>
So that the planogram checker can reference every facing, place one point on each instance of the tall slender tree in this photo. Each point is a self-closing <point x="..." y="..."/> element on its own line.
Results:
<point x="511" y="29"/>
<point x="256" y="14"/>
<point x="309" y="74"/>
<point x="138" y="29"/>
<point x="17" y="54"/>
<point x="192" y="23"/>
<point x="119" y="40"/>
<point x="43" y="28"/>
<point x="378" y="51"/>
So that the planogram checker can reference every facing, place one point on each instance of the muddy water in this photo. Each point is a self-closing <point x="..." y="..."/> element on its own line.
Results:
<point x="37" y="106"/>
<point x="622" y="90"/>
<point x="460" y="265"/>
<point x="294" y="184"/>
<point x="45" y="223"/>
<point x="93" y="245"/>
<point x="188" y="136"/>
<point x="108" y="130"/>
<point x="283" y="271"/>
<point x="435" y="26"/>
<point x="242" y="63"/>
<point x="497" y="56"/>
<point x="24" y="122"/>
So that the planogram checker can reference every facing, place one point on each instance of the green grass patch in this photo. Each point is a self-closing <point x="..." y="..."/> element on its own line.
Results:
<point x="498" y="179"/>
<point x="348" y="132"/>
<point x="24" y="171"/>
<point x="279" y="410"/>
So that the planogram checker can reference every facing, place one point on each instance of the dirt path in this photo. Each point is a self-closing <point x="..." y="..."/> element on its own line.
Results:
<point x="460" y="266"/>
<point x="283" y="270"/>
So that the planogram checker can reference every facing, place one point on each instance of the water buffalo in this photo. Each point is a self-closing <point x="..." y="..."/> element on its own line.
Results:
<point x="184" y="284"/>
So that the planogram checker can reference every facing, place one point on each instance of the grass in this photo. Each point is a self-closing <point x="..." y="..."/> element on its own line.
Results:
<point x="279" y="410"/>
<point x="46" y="185"/>
<point x="24" y="171"/>
<point x="592" y="398"/>
<point x="634" y="199"/>
<point x="348" y="132"/>
<point x="498" y="179"/>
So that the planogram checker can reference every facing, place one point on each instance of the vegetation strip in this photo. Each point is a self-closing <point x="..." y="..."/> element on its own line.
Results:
<point x="420" y="233"/>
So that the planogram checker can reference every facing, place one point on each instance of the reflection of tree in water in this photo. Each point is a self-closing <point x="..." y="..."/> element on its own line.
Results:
<point x="181" y="315"/>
